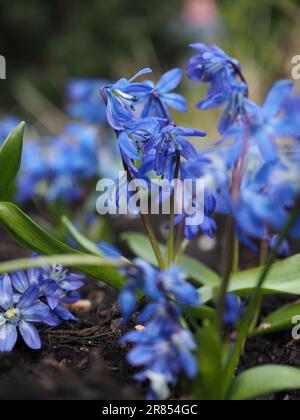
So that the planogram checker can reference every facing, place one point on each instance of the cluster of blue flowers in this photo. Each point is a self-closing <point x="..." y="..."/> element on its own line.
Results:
<point x="162" y="347"/>
<point x="139" y="114"/>
<point x="258" y="152"/>
<point x="34" y="297"/>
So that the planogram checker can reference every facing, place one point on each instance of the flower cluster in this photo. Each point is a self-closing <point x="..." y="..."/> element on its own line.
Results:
<point x="261" y="181"/>
<point x="162" y="348"/>
<point x="139" y="114"/>
<point x="36" y="296"/>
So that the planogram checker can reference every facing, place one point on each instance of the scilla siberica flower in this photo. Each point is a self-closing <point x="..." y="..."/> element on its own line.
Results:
<point x="170" y="141"/>
<point x="163" y="349"/>
<point x="212" y="65"/>
<point x="56" y="285"/>
<point x="21" y="315"/>
<point x="264" y="126"/>
<point x="122" y="98"/>
<point x="161" y="96"/>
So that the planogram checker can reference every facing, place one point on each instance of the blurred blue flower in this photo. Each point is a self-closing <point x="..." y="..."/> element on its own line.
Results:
<point x="264" y="126"/>
<point x="284" y="249"/>
<point x="56" y="167"/>
<point x="233" y="311"/>
<point x="21" y="316"/>
<point x="163" y="349"/>
<point x="84" y="101"/>
<point x="212" y="65"/>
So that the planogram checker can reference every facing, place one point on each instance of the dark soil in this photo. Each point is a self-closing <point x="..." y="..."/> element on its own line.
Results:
<point x="84" y="360"/>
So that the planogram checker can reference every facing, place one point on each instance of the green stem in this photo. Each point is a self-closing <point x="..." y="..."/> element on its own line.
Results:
<point x="154" y="242"/>
<point x="236" y="256"/>
<point x="171" y="238"/>
<point x="264" y="251"/>
<point x="255" y="301"/>
<point x="149" y="230"/>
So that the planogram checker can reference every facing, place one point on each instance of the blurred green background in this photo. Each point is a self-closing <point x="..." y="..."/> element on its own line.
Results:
<point x="47" y="41"/>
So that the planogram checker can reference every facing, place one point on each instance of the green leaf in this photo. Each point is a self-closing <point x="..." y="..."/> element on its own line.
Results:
<point x="263" y="381"/>
<point x="279" y="320"/>
<point x="10" y="158"/>
<point x="66" y="260"/>
<point x="283" y="278"/>
<point x="210" y="361"/>
<point x="140" y="246"/>
<point x="32" y="236"/>
<point x="83" y="241"/>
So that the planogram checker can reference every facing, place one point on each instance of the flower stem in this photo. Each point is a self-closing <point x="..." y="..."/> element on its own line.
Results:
<point x="171" y="238"/>
<point x="148" y="228"/>
<point x="254" y="303"/>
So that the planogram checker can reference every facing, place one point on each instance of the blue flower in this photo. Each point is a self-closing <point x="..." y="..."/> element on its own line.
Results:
<point x="56" y="285"/>
<point x="284" y="249"/>
<point x="21" y="316"/>
<point x="132" y="138"/>
<point x="163" y="349"/>
<point x="170" y="142"/>
<point x="264" y="126"/>
<point x="161" y="97"/>
<point x="233" y="310"/>
<point x="84" y="102"/>
<point x="63" y="163"/>
<point x="122" y="98"/>
<point x="64" y="283"/>
<point x="157" y="285"/>
<point x="212" y="65"/>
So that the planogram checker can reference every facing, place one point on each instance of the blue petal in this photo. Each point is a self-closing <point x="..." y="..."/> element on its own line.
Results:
<point x="64" y="314"/>
<point x="277" y="98"/>
<point x="30" y="335"/>
<point x="169" y="81"/>
<point x="11" y="338"/>
<point x="127" y="300"/>
<point x="175" y="101"/>
<point x="28" y="298"/>
<point x="20" y="281"/>
<point x="38" y="312"/>
<point x="6" y="292"/>
<point x="53" y="301"/>
<point x="127" y="147"/>
<point x="142" y="72"/>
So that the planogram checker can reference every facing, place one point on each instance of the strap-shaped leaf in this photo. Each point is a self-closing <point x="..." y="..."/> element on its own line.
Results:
<point x="263" y="381"/>
<point x="140" y="246"/>
<point x="29" y="234"/>
<point x="10" y="158"/>
<point x="279" y="320"/>
<point x="284" y="277"/>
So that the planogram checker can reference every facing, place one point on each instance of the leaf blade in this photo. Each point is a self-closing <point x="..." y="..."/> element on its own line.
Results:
<point x="31" y="235"/>
<point x="265" y="380"/>
<point x="10" y="157"/>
